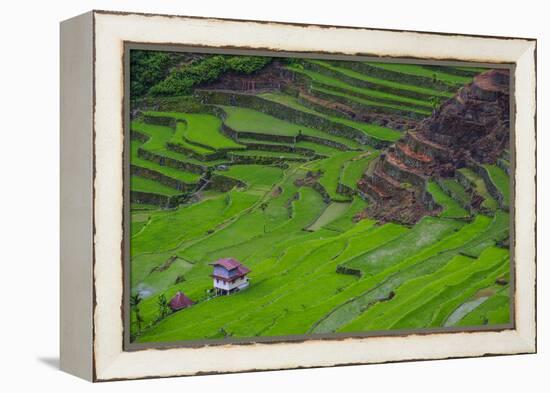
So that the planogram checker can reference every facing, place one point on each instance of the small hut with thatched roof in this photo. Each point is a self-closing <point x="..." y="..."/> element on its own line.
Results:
<point x="180" y="301"/>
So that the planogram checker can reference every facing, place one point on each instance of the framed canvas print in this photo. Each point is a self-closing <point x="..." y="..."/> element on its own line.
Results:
<point x="244" y="195"/>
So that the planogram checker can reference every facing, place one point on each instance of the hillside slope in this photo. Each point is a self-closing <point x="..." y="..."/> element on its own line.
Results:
<point x="468" y="130"/>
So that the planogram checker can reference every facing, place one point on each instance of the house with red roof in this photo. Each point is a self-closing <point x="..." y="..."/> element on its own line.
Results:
<point x="180" y="301"/>
<point x="229" y="276"/>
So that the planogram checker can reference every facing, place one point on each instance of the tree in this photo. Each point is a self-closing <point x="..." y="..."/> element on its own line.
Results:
<point x="182" y="79"/>
<point x="163" y="306"/>
<point x="134" y="304"/>
<point x="147" y="68"/>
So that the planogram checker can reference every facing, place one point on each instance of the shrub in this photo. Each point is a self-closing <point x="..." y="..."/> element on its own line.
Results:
<point x="146" y="69"/>
<point x="247" y="64"/>
<point x="182" y="80"/>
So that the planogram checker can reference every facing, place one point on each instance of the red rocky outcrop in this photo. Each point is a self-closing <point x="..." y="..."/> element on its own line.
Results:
<point x="472" y="127"/>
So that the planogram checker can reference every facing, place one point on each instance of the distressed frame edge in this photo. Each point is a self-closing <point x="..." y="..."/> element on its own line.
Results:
<point x="76" y="196"/>
<point x="304" y="24"/>
<point x="527" y="340"/>
<point x="297" y="338"/>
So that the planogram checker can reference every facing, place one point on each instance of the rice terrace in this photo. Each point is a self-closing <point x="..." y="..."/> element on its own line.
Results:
<point x="291" y="196"/>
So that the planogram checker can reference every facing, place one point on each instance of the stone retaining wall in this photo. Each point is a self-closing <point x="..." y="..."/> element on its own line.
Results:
<point x="138" y="136"/>
<point x="504" y="165"/>
<point x="218" y="155"/>
<point x="463" y="180"/>
<point x="281" y="148"/>
<point x="290" y="114"/>
<point x="224" y="183"/>
<point x="403" y="175"/>
<point x="160" y="120"/>
<point x="493" y="190"/>
<point x="424" y="148"/>
<point x="347" y="270"/>
<point x="428" y="201"/>
<point x="321" y="190"/>
<point x="323" y="109"/>
<point x="161" y="178"/>
<point x="408" y="160"/>
<point x="466" y="205"/>
<point x="153" y="199"/>
<point x="260" y="160"/>
<point x="322" y="141"/>
<point x="170" y="162"/>
<point x="394" y="76"/>
<point x="344" y="189"/>
<point x="370" y="108"/>
<point x="366" y="84"/>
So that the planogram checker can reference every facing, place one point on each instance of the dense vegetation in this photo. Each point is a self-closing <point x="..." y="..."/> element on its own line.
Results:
<point x="167" y="74"/>
<point x="147" y="68"/>
<point x="276" y="188"/>
<point x="182" y="79"/>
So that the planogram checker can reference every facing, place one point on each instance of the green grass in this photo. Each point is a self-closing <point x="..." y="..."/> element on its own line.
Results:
<point x="368" y="94"/>
<point x="267" y="153"/>
<point x="353" y="169"/>
<point x="382" y="133"/>
<point x="142" y="207"/>
<point x="295" y="243"/>
<point x="318" y="148"/>
<point x="428" y="231"/>
<point x="293" y="281"/>
<point x="333" y="211"/>
<point x="371" y="103"/>
<point x="479" y="185"/>
<point x="496" y="310"/>
<point x="501" y="180"/>
<point x="180" y="138"/>
<point x="150" y="186"/>
<point x="314" y="147"/>
<point x="139" y="219"/>
<point x="159" y="136"/>
<point x="382" y="82"/>
<point x="330" y="172"/>
<point x="428" y="292"/>
<point x="169" y="229"/>
<point x="451" y="209"/>
<point x="256" y="176"/>
<point x="249" y="120"/>
<point x="346" y="221"/>
<point x="378" y="287"/>
<point x="203" y="129"/>
<point x="186" y="177"/>
<point x="418" y="70"/>
<point x="456" y="191"/>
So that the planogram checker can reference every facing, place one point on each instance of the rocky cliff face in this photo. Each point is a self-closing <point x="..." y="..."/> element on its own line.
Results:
<point x="472" y="127"/>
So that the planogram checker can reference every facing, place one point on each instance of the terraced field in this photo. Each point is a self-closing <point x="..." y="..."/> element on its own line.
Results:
<point x="270" y="177"/>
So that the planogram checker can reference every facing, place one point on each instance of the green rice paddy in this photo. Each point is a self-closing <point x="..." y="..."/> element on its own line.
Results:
<point x="379" y="132"/>
<point x="418" y="70"/>
<point x="451" y="208"/>
<point x="366" y="93"/>
<point x="249" y="120"/>
<point x="501" y="181"/>
<point x="383" y="82"/>
<point x="147" y="185"/>
<point x="288" y="207"/>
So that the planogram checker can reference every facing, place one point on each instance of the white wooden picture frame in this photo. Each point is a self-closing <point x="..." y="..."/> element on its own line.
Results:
<point x="92" y="195"/>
